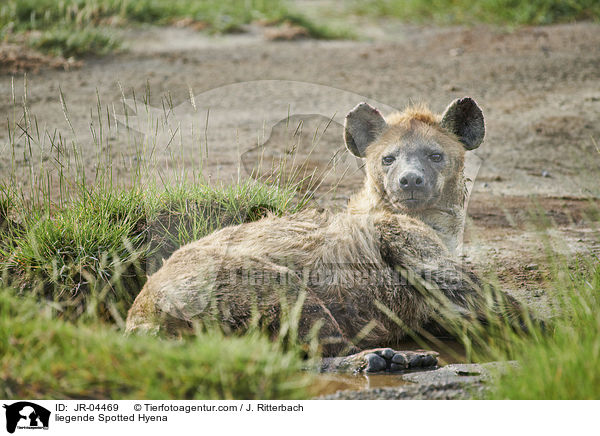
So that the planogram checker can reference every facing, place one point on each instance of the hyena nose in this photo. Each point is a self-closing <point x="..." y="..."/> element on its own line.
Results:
<point x="411" y="181"/>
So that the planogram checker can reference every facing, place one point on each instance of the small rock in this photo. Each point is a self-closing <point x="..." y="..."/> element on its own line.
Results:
<point x="375" y="363"/>
<point x="399" y="359"/>
<point x="451" y="88"/>
<point x="428" y="360"/>
<point x="388" y="353"/>
<point x="456" y="51"/>
<point x="546" y="174"/>
<point x="454" y="373"/>
<point x="532" y="267"/>
<point x="468" y="373"/>
<point x="415" y="361"/>
<point x="394" y="367"/>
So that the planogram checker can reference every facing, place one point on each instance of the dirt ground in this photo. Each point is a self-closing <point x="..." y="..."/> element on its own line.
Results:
<point x="539" y="88"/>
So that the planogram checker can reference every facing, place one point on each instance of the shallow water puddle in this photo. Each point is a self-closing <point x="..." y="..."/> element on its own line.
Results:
<point x="330" y="383"/>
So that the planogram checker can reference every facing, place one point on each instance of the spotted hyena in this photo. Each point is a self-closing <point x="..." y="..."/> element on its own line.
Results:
<point x="388" y="257"/>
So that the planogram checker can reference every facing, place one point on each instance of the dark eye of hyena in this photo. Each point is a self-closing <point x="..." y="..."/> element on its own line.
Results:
<point x="388" y="160"/>
<point x="436" y="157"/>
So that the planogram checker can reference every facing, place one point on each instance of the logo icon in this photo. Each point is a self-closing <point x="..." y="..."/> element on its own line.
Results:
<point x="26" y="415"/>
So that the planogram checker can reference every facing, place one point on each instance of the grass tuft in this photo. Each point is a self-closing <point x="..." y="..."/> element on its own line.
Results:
<point x="560" y="363"/>
<point x="87" y="27"/>
<point x="68" y="43"/>
<point x="106" y="241"/>
<point x="507" y="12"/>
<point x="317" y="30"/>
<point x="45" y="358"/>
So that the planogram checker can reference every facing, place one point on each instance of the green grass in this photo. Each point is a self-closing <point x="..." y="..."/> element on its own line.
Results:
<point x="563" y="362"/>
<point x="67" y="42"/>
<point x="79" y="266"/>
<point x="82" y="28"/>
<point x="318" y="29"/>
<point x="45" y="358"/>
<point x="221" y="16"/>
<point x="103" y="241"/>
<point x="507" y="12"/>
<point x="90" y="27"/>
<point x="5" y="208"/>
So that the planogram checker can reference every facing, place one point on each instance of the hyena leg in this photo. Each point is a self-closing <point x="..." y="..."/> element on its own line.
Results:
<point x="466" y="296"/>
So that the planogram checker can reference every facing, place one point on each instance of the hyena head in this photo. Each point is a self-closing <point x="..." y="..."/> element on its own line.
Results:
<point x="415" y="159"/>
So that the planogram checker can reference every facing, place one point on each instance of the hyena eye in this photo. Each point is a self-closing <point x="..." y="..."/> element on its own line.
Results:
<point x="388" y="160"/>
<point x="436" y="157"/>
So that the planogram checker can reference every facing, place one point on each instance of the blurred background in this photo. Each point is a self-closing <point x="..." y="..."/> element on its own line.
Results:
<point x="532" y="65"/>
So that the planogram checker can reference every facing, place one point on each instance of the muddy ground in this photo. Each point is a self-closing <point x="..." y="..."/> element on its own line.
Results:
<point x="539" y="88"/>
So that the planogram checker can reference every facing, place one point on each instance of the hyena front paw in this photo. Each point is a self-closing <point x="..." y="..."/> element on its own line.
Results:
<point x="388" y="360"/>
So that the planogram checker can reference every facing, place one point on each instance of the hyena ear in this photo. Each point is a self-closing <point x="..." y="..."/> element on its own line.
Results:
<point x="362" y="126"/>
<point x="464" y="118"/>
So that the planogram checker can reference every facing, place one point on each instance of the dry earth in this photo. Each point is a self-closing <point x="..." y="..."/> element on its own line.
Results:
<point x="539" y="88"/>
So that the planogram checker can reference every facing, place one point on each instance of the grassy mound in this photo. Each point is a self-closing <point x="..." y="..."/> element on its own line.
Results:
<point x="94" y="252"/>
